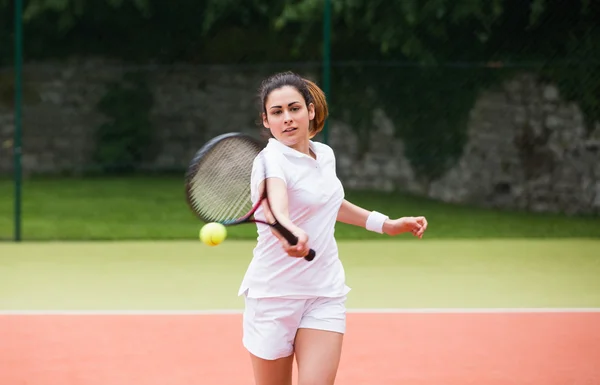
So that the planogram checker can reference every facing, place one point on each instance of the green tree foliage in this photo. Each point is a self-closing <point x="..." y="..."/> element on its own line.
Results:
<point x="199" y="31"/>
<point x="70" y="12"/>
<point x="409" y="27"/>
<point x="427" y="31"/>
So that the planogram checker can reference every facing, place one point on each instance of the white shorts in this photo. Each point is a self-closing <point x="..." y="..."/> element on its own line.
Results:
<point x="270" y="324"/>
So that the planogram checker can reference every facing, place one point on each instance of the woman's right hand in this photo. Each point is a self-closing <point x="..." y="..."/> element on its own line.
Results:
<point x="301" y="249"/>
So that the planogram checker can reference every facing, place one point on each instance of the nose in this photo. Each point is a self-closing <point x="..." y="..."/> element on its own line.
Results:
<point x="286" y="116"/>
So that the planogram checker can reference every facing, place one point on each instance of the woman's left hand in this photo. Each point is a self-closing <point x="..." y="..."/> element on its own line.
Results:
<point x="414" y="225"/>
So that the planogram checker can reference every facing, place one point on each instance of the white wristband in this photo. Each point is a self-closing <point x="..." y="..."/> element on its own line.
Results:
<point x="375" y="222"/>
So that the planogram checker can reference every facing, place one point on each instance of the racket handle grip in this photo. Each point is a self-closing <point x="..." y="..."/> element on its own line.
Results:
<point x="292" y="239"/>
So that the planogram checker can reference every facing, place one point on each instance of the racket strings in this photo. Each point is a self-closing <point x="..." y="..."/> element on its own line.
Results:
<point x="220" y="188"/>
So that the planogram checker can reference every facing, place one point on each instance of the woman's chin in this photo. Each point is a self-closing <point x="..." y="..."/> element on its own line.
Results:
<point x="289" y="139"/>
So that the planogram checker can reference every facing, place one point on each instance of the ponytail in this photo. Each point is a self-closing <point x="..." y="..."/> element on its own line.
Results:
<point x="321" y="109"/>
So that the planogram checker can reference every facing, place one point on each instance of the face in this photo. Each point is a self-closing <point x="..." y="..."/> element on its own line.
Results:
<point x="288" y="117"/>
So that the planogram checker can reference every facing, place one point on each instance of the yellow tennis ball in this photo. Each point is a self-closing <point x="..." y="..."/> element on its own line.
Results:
<point x="212" y="234"/>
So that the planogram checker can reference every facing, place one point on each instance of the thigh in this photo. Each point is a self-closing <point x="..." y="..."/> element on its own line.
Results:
<point x="269" y="330"/>
<point x="272" y="372"/>
<point x="318" y="344"/>
<point x="318" y="355"/>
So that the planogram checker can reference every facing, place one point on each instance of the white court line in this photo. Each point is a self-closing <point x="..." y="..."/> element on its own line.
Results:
<point x="350" y="311"/>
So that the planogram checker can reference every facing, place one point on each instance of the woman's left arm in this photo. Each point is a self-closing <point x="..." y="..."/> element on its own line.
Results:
<point x="352" y="214"/>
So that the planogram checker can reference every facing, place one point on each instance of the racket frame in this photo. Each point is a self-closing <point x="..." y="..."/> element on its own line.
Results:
<point x="193" y="169"/>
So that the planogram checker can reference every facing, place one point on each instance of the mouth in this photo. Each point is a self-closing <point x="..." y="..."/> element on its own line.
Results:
<point x="291" y="129"/>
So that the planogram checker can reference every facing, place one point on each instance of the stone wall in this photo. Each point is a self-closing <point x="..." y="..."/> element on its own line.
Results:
<point x="526" y="149"/>
<point x="60" y="114"/>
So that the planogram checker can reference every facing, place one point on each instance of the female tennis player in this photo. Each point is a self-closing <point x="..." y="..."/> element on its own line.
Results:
<point x="293" y="306"/>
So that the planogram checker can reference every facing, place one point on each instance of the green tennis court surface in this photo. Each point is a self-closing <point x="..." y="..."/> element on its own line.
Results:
<point x="187" y="275"/>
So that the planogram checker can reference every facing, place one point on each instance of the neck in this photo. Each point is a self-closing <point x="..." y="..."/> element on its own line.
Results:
<point x="302" y="147"/>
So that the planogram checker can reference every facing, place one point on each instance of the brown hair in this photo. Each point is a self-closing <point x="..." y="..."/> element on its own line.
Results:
<point x="309" y="90"/>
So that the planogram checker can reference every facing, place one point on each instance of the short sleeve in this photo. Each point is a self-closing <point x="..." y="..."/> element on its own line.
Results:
<point x="267" y="164"/>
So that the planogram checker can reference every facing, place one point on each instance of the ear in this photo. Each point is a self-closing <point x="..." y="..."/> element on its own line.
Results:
<point x="265" y="121"/>
<point x="311" y="111"/>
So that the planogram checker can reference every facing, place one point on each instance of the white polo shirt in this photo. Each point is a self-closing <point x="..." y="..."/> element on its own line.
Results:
<point x="315" y="195"/>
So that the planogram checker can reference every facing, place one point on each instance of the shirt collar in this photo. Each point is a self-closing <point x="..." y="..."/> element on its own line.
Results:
<point x="290" y="151"/>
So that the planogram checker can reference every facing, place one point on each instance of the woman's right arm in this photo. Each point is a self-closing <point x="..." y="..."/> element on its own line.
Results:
<point x="278" y="201"/>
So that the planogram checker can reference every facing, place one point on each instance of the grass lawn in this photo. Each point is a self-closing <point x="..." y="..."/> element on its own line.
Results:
<point x="154" y="208"/>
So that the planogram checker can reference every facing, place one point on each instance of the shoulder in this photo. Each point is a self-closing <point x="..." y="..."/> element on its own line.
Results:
<point x="324" y="149"/>
<point x="268" y="153"/>
<point x="270" y="162"/>
<point x="271" y="155"/>
<point x="326" y="153"/>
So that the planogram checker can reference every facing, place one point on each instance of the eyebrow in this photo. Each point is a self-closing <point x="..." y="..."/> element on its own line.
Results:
<point x="289" y="104"/>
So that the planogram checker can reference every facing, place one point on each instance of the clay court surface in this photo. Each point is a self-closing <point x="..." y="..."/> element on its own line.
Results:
<point x="437" y="313"/>
<point x="493" y="348"/>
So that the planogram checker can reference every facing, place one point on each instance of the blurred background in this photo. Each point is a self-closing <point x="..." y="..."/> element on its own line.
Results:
<point x="484" y="115"/>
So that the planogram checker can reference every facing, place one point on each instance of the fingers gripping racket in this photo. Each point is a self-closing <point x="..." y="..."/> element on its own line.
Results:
<point x="217" y="184"/>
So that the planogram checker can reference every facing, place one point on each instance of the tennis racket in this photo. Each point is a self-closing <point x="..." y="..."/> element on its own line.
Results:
<point x="217" y="184"/>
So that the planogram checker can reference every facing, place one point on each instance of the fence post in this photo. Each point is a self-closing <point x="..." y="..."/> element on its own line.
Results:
<point x="17" y="151"/>
<point x="326" y="60"/>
